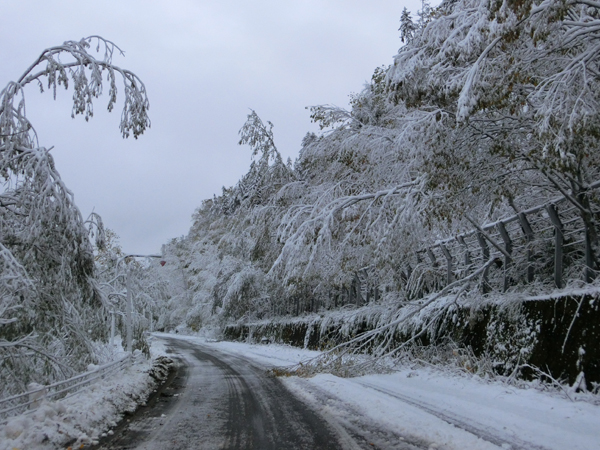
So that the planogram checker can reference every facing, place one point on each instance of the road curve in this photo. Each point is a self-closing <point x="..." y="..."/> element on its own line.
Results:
<point x="224" y="402"/>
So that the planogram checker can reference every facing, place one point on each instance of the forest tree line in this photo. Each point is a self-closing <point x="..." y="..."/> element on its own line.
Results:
<point x="488" y="109"/>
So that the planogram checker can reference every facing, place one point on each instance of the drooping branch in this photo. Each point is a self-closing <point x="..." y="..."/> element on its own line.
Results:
<point x="86" y="74"/>
<point x="322" y="218"/>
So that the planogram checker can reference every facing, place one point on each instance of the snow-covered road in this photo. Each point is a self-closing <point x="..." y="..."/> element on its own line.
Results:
<point x="227" y="402"/>
<point x="222" y="398"/>
<point x="411" y="409"/>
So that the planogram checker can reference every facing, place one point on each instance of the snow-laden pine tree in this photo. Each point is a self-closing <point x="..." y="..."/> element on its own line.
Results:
<point x="232" y="242"/>
<point x="407" y="26"/>
<point x="52" y="314"/>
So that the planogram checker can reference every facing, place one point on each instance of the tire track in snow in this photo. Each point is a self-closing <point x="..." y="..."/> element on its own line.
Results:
<point x="479" y="430"/>
<point x="360" y="432"/>
<point x="229" y="403"/>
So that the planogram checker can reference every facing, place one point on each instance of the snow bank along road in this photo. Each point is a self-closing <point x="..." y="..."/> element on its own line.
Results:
<point x="226" y="401"/>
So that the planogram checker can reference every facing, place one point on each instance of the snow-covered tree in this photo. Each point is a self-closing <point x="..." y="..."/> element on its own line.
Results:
<point x="488" y="109"/>
<point x="407" y="26"/>
<point x="268" y="171"/>
<point x="51" y="309"/>
<point x="424" y="14"/>
<point x="515" y="88"/>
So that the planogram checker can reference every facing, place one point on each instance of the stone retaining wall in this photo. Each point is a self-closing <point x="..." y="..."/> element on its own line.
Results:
<point x="560" y="336"/>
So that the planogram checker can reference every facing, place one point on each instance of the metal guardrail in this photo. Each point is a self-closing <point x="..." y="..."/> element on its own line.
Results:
<point x="21" y="403"/>
<point x="541" y="242"/>
<point x="546" y="242"/>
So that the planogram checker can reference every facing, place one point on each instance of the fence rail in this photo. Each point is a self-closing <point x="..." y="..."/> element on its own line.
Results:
<point x="542" y="242"/>
<point x="22" y="403"/>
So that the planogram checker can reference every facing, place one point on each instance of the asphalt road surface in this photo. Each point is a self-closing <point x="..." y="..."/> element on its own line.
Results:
<point x="221" y="401"/>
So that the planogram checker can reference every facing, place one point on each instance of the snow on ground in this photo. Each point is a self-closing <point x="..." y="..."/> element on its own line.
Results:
<point x="448" y="410"/>
<point x="80" y="419"/>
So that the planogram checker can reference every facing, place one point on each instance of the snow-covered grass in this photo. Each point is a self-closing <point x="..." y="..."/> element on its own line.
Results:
<point x="83" y="417"/>
<point x="445" y="408"/>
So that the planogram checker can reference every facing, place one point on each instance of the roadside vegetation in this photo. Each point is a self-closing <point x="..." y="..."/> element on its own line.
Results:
<point x="54" y="317"/>
<point x="488" y="110"/>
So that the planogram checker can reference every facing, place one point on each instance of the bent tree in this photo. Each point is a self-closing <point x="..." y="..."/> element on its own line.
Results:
<point x="515" y="87"/>
<point x="511" y="88"/>
<point x="51" y="311"/>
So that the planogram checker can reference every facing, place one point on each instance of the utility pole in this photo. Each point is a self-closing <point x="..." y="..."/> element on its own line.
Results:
<point x="129" y="312"/>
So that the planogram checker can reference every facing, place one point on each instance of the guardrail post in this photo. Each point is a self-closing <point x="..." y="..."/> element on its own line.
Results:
<point x="558" y="245"/>
<point x="508" y="246"/>
<point x="37" y="394"/>
<point x="589" y="257"/>
<point x="409" y="271"/>
<point x="485" y="253"/>
<point x="356" y="290"/>
<point x="112" y="328"/>
<point x="431" y="256"/>
<point x="364" y="285"/>
<point x="419" y="260"/>
<point x="461" y="241"/>
<point x="529" y="235"/>
<point x="448" y="256"/>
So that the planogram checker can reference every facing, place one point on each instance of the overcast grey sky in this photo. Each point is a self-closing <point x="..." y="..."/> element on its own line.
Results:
<point x="204" y="63"/>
